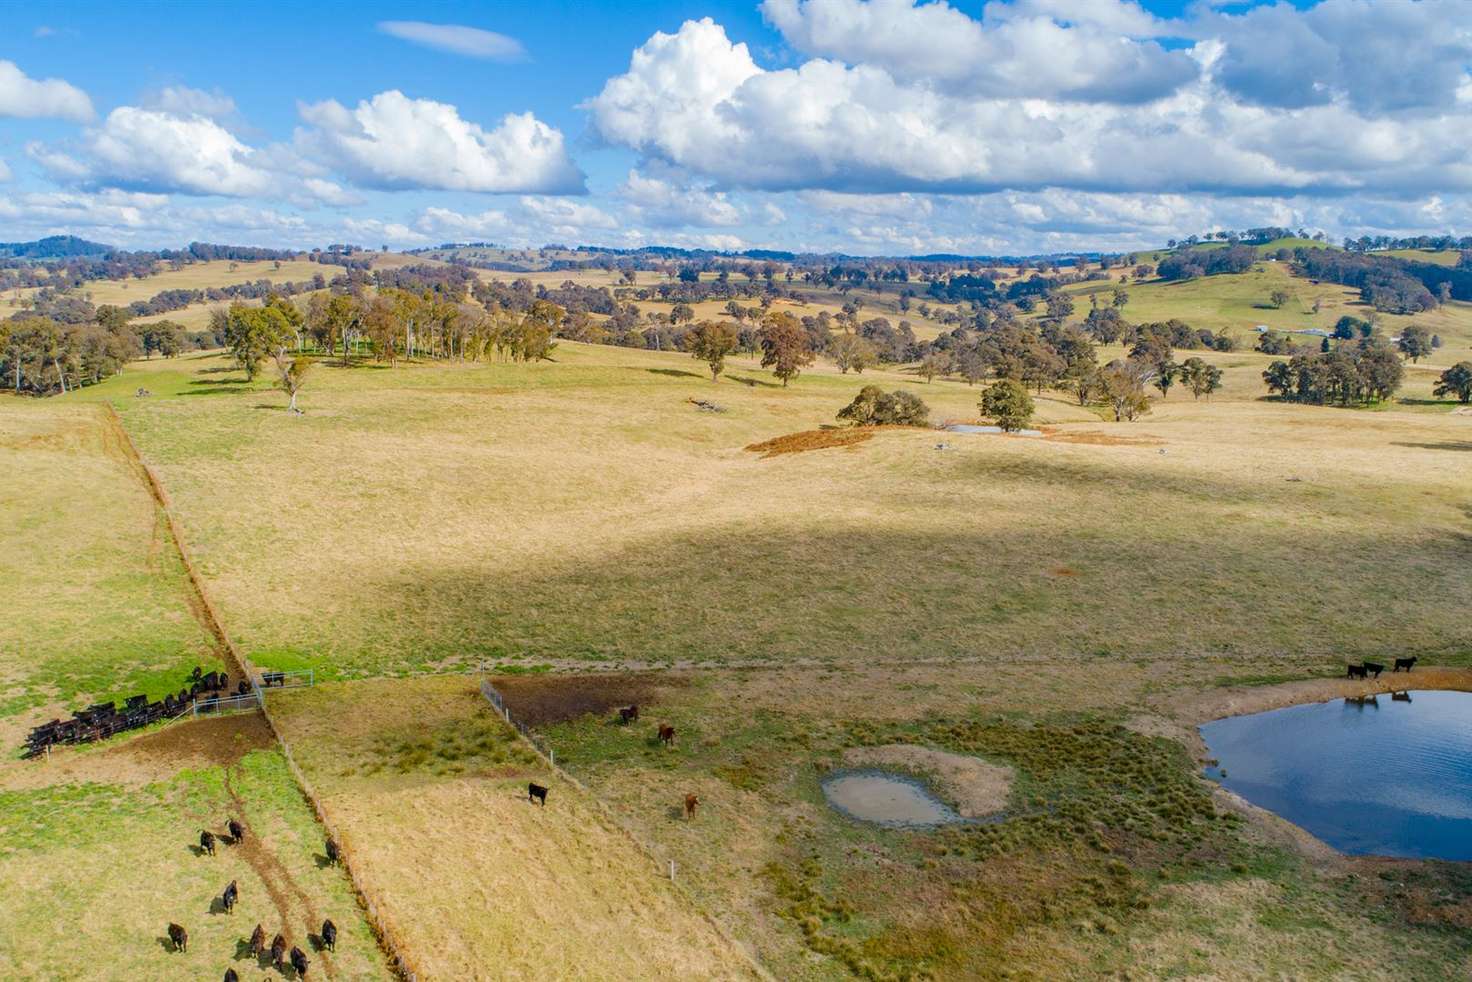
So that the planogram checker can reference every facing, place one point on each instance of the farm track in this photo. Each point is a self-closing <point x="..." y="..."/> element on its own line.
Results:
<point x="118" y="442"/>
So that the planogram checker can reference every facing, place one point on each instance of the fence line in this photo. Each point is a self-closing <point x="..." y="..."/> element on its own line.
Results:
<point x="383" y="932"/>
<point x="650" y="852"/>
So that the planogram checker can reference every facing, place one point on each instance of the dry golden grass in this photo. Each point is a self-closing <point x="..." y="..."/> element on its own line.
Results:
<point x="477" y="881"/>
<point x="97" y="603"/>
<point x="200" y="276"/>
<point x="440" y="516"/>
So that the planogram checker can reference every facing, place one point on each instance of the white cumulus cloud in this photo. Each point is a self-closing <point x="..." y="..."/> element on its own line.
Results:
<point x="27" y="98"/>
<point x="393" y="141"/>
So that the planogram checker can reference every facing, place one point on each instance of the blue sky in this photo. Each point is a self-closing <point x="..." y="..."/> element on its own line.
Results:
<point x="865" y="126"/>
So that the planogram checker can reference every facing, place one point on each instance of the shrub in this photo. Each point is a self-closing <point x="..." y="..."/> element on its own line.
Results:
<point x="875" y="407"/>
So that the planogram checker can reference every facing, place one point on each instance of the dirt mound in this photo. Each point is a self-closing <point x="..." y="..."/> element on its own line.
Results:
<point x="973" y="785"/>
<point x="537" y="700"/>
<point x="810" y="440"/>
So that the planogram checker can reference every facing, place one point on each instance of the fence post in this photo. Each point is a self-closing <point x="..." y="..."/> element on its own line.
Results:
<point x="672" y="871"/>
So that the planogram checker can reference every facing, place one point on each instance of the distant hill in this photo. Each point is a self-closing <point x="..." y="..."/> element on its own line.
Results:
<point x="53" y="247"/>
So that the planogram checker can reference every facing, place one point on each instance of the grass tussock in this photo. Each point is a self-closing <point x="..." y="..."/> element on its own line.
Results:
<point x="811" y="440"/>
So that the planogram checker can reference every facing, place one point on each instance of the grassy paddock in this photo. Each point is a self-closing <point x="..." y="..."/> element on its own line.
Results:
<point x="440" y="517"/>
<point x="429" y="789"/>
<point x="1111" y="856"/>
<point x="93" y="869"/>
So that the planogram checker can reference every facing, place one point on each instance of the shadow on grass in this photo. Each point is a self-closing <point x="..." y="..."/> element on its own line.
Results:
<point x="1462" y="445"/>
<point x="745" y="380"/>
<point x="673" y="373"/>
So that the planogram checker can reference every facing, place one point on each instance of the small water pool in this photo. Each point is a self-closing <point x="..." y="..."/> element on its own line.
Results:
<point x="886" y="798"/>
<point x="974" y="428"/>
<point x="1389" y="775"/>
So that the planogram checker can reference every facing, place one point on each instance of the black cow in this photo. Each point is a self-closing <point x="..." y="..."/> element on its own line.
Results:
<point x="229" y="897"/>
<point x="629" y="714"/>
<point x="535" y="792"/>
<point x="333" y="854"/>
<point x="179" y="937"/>
<point x="329" y="935"/>
<point x="278" y="951"/>
<point x="1374" y="669"/>
<point x="257" y="941"/>
<point x="1358" y="672"/>
<point x="230" y="975"/>
<point x="207" y="841"/>
<point x="242" y="688"/>
<point x="299" y="962"/>
<point x="194" y="675"/>
<point x="237" y="831"/>
<point x="1406" y="663"/>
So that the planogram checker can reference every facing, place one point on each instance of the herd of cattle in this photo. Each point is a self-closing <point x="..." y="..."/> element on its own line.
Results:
<point x="256" y="947"/>
<point x="105" y="719"/>
<point x="1369" y="668"/>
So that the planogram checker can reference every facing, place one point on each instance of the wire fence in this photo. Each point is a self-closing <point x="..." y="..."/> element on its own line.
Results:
<point x="663" y="865"/>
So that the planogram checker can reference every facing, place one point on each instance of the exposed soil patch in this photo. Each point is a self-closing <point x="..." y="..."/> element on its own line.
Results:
<point x="1098" y="439"/>
<point x="811" y="440"/>
<point x="975" y="786"/>
<point x="156" y="756"/>
<point x="539" y="700"/>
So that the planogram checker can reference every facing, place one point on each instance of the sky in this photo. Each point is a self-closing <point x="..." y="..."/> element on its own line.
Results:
<point x="870" y="127"/>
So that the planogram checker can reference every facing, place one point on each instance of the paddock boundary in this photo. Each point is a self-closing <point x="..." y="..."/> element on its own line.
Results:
<point x="383" y="932"/>
<point x="498" y="703"/>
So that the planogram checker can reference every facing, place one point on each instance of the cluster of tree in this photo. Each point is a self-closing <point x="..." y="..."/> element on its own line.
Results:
<point x="53" y="247"/>
<point x="1347" y="375"/>
<point x="39" y="356"/>
<point x="166" y="301"/>
<point x="875" y="407"/>
<point x="1191" y="263"/>
<point x="446" y="281"/>
<point x="1387" y="283"/>
<point x="207" y="251"/>
<point x="1371" y="243"/>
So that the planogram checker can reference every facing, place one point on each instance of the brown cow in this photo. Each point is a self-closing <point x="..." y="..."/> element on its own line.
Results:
<point x="690" y="802"/>
<point x="237" y="832"/>
<point x="207" y="841"/>
<point x="257" y="941"/>
<point x="333" y="855"/>
<point x="667" y="735"/>
<point x="278" y="952"/>
<point x="629" y="714"/>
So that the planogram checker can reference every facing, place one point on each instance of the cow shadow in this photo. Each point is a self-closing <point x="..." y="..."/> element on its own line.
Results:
<point x="315" y="942"/>
<point x="674" y="812"/>
<point x="753" y="382"/>
<point x="673" y="372"/>
<point x="1463" y="445"/>
<point x="217" y="906"/>
<point x="166" y="943"/>
<point x="198" y="851"/>
<point x="322" y="860"/>
<point x="242" y="953"/>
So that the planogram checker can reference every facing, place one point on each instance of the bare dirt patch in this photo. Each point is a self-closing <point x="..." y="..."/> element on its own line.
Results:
<point x="155" y="756"/>
<point x="540" y="700"/>
<point x="811" y="440"/>
<point x="1095" y="438"/>
<point x="976" y="787"/>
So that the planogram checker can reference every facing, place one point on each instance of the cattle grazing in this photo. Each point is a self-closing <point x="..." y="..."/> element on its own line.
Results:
<point x="1358" y="672"/>
<point x="1374" y="669"/>
<point x="207" y="841"/>
<point x="257" y="941"/>
<point x="278" y="951"/>
<point x="179" y="937"/>
<point x="230" y="975"/>
<point x="629" y="714"/>
<point x="535" y="792"/>
<point x="228" y="898"/>
<point x="332" y="852"/>
<point x="237" y="831"/>
<point x="194" y="676"/>
<point x="690" y="802"/>
<point x="667" y="735"/>
<point x="299" y="962"/>
<point x="242" y="688"/>
<point x="329" y="935"/>
<point x="1406" y="663"/>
